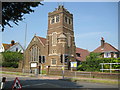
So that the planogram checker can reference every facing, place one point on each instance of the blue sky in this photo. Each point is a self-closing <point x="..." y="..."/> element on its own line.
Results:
<point x="92" y="20"/>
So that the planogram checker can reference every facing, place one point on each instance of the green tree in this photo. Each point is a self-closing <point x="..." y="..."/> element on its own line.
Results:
<point x="11" y="59"/>
<point x="14" y="11"/>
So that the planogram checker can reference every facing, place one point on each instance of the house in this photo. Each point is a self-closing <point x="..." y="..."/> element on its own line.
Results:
<point x="59" y="43"/>
<point x="81" y="54"/>
<point x="13" y="47"/>
<point x="107" y="50"/>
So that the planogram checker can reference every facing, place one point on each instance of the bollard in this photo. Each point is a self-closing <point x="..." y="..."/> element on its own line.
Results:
<point x="3" y="83"/>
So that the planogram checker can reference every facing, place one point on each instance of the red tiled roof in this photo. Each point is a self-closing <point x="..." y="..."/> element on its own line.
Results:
<point x="43" y="40"/>
<point x="7" y="46"/>
<point x="107" y="48"/>
<point x="83" y="54"/>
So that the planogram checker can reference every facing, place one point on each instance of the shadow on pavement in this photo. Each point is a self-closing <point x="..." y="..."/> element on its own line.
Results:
<point x="42" y="83"/>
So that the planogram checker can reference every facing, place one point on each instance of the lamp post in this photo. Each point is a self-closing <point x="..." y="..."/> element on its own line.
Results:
<point x="24" y="44"/>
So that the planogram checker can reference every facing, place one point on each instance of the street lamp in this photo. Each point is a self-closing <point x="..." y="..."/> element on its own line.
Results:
<point x="24" y="44"/>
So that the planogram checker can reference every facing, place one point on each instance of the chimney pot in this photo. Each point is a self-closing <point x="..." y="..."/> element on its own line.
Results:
<point x="12" y="42"/>
<point x="102" y="43"/>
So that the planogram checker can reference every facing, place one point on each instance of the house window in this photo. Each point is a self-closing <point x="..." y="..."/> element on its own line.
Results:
<point x="78" y="54"/>
<point x="54" y="62"/>
<point x="107" y="55"/>
<point x="115" y="55"/>
<point x="57" y="18"/>
<point x="16" y="49"/>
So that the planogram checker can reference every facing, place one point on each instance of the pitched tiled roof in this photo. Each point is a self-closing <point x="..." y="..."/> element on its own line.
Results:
<point x="7" y="46"/>
<point x="107" y="48"/>
<point x="43" y="40"/>
<point x="83" y="54"/>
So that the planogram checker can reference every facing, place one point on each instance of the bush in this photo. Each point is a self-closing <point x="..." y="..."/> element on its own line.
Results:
<point x="93" y="61"/>
<point x="11" y="59"/>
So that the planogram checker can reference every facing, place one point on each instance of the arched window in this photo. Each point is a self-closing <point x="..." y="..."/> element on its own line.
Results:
<point x="65" y="19"/>
<point x="57" y="18"/>
<point x="54" y="38"/>
<point x="52" y="20"/>
<point x="69" y="39"/>
<point x="34" y="53"/>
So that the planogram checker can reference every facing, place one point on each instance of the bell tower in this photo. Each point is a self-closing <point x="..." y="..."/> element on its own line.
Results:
<point x="60" y="37"/>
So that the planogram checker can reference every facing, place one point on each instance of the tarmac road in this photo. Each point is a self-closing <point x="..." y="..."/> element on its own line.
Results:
<point x="47" y="82"/>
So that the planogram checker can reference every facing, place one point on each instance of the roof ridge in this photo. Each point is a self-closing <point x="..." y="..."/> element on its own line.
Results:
<point x="41" y="37"/>
<point x="42" y="40"/>
<point x="112" y="46"/>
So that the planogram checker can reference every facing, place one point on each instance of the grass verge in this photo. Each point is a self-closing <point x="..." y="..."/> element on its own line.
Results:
<point x="13" y="73"/>
<point x="93" y="81"/>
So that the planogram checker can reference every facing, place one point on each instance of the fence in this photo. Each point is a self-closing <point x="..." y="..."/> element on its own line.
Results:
<point x="110" y="69"/>
<point x="79" y="74"/>
<point x="72" y="74"/>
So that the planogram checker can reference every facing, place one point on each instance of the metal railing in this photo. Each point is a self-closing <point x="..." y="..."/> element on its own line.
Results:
<point x="110" y="69"/>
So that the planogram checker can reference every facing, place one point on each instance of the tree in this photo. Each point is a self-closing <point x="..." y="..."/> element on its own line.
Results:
<point x="14" y="11"/>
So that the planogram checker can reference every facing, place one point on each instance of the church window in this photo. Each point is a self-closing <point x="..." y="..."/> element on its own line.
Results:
<point x="41" y="59"/>
<point x="66" y="19"/>
<point x="57" y="18"/>
<point x="54" y="38"/>
<point x="53" y="61"/>
<point x="34" y="53"/>
<point x="52" y="20"/>
<point x="69" y="21"/>
<point x="54" y="51"/>
<point x="69" y="40"/>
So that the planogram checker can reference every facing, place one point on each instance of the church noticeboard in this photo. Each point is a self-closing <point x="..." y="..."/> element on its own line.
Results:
<point x="33" y="65"/>
<point x="73" y="64"/>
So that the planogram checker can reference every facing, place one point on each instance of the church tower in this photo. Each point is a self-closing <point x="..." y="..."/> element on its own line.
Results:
<point x="60" y="38"/>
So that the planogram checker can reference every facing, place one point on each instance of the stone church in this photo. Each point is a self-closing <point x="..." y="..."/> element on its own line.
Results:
<point x="58" y="48"/>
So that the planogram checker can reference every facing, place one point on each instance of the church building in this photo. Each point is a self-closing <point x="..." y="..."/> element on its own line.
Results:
<point x="58" y="48"/>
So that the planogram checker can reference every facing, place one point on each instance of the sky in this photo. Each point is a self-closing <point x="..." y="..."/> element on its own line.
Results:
<point x="91" y="21"/>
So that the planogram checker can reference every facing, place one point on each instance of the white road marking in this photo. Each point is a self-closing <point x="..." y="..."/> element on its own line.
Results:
<point x="33" y="85"/>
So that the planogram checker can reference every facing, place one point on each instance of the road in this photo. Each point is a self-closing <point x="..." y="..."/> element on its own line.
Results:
<point x="32" y="82"/>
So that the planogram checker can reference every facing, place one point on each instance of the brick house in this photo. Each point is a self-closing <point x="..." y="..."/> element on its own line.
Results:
<point x="81" y="54"/>
<point x="107" y="50"/>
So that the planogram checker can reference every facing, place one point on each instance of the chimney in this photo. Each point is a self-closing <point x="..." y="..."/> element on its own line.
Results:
<point x="12" y="42"/>
<point x="102" y="43"/>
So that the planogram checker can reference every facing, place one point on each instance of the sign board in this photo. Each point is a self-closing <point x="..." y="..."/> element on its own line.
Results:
<point x="73" y="64"/>
<point x="62" y="68"/>
<point x="16" y="84"/>
<point x="33" y="65"/>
